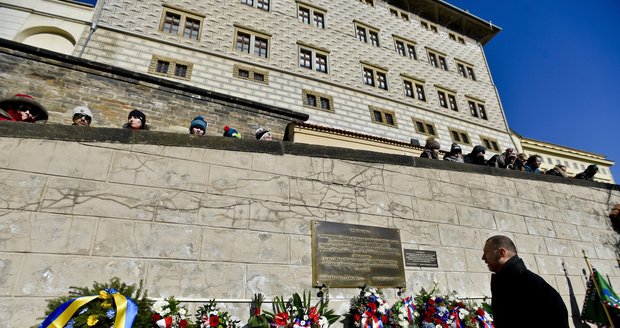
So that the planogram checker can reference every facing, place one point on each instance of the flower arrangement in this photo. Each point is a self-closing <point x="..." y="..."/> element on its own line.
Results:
<point x="297" y="313"/>
<point x="403" y="313"/>
<point x="447" y="311"/>
<point x="257" y="319"/>
<point x="168" y="313"/>
<point x="210" y="316"/>
<point x="99" y="304"/>
<point x="369" y="309"/>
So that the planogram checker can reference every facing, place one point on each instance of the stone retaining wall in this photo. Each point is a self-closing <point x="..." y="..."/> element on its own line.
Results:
<point x="218" y="218"/>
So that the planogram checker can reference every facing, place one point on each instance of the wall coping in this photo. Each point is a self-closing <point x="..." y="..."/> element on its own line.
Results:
<point x="72" y="133"/>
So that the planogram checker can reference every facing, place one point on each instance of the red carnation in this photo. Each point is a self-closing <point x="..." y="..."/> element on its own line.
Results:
<point x="313" y="314"/>
<point x="384" y="318"/>
<point x="155" y="317"/>
<point x="183" y="323"/>
<point x="357" y="317"/>
<point x="372" y="306"/>
<point x="281" y="318"/>
<point x="214" y="321"/>
<point x="431" y="301"/>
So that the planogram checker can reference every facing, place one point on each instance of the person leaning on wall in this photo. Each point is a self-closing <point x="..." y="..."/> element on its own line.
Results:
<point x="22" y="108"/>
<point x="136" y="120"/>
<point x="198" y="126"/>
<point x="82" y="116"/>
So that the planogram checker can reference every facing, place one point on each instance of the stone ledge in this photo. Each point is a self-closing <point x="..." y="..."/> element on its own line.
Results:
<point x="73" y="133"/>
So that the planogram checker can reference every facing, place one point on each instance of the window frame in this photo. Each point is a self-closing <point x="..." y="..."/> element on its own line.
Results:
<point x="478" y="109"/>
<point x="425" y="127"/>
<point x="253" y="73"/>
<point x="409" y="47"/>
<point x="398" y="13"/>
<point x="490" y="144"/>
<point x="368" y="32"/>
<point x="450" y="98"/>
<point x="378" y="76"/>
<point x="171" y="70"/>
<point x="465" y="70"/>
<point x="257" y="4"/>
<point x="461" y="136"/>
<point x="253" y="48"/>
<point x="313" y="13"/>
<point x="184" y="15"/>
<point x="384" y="113"/>
<point x="426" y="25"/>
<point x="437" y="59"/>
<point x="416" y="85"/>
<point x="315" y="53"/>
<point x="319" y="97"/>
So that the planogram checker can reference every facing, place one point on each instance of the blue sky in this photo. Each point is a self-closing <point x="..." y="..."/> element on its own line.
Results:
<point x="556" y="65"/>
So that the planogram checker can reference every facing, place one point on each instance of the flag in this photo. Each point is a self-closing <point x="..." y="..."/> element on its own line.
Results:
<point x="593" y="310"/>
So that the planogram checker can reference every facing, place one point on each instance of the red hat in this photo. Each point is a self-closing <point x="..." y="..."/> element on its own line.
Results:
<point x="28" y="99"/>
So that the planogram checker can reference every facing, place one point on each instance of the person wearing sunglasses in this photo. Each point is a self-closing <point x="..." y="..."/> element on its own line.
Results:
<point x="82" y="116"/>
<point x="22" y="108"/>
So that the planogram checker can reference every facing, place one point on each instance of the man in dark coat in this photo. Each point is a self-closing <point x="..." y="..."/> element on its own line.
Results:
<point x="588" y="174"/>
<point x="476" y="156"/>
<point x="513" y="286"/>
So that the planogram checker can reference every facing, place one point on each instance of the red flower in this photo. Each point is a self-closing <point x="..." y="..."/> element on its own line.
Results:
<point x="357" y="317"/>
<point x="214" y="321"/>
<point x="431" y="301"/>
<point x="384" y="318"/>
<point x="372" y="306"/>
<point x="183" y="323"/>
<point x="281" y="318"/>
<point x="480" y="312"/>
<point x="313" y="314"/>
<point x="257" y="311"/>
<point x="155" y="317"/>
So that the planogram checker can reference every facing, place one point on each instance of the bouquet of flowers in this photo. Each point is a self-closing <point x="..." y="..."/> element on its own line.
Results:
<point x="297" y="313"/>
<point x="257" y="319"/>
<point x="483" y="316"/>
<point x="168" y="313"/>
<point x="403" y="313"/>
<point x="369" y="309"/>
<point x="97" y="305"/>
<point x="210" y="316"/>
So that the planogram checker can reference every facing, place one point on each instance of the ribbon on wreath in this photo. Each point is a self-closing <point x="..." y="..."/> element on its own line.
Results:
<point x="126" y="310"/>
<point x="457" y="319"/>
<point x="374" y="321"/>
<point x="484" y="323"/>
<point x="298" y="324"/>
<point x="410" y="308"/>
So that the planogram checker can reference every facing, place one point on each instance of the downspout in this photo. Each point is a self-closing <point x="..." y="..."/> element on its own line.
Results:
<point x="93" y="27"/>
<point x="516" y="144"/>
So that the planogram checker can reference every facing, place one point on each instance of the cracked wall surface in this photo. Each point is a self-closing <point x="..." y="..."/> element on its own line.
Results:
<point x="202" y="223"/>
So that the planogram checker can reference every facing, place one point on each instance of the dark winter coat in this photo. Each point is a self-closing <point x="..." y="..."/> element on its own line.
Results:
<point x="513" y="287"/>
<point x="427" y="153"/>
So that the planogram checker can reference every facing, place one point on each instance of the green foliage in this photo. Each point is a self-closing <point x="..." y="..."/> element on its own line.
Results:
<point x="211" y="313"/>
<point x="298" y="308"/>
<point x="99" y="309"/>
<point x="257" y="319"/>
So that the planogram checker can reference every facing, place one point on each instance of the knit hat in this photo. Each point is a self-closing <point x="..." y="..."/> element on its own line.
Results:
<point x="198" y="122"/>
<point x="83" y="110"/>
<point x="22" y="98"/>
<point x="431" y="143"/>
<point x="455" y="148"/>
<point x="138" y="114"/>
<point x="231" y="132"/>
<point x="261" y="132"/>
<point x="479" y="149"/>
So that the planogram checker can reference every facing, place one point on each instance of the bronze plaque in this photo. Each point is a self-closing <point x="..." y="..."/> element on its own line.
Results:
<point x="349" y="255"/>
<point x="418" y="258"/>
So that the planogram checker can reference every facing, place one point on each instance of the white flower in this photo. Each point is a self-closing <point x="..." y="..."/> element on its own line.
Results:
<point x="182" y="311"/>
<point x="305" y="318"/>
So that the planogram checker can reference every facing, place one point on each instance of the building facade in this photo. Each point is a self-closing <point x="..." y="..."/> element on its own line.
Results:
<point x="400" y="70"/>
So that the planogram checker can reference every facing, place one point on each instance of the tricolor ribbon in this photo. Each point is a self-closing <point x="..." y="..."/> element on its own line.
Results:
<point x="297" y="324"/>
<point x="165" y="322"/>
<point x="457" y="319"/>
<point x="374" y="321"/>
<point x="484" y="323"/>
<point x="410" y="308"/>
<point x="126" y="311"/>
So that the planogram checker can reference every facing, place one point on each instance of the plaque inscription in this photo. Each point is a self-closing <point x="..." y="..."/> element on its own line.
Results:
<point x="348" y="255"/>
<point x="418" y="258"/>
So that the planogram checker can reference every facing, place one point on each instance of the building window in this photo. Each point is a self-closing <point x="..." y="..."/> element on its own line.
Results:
<point x="375" y="77"/>
<point x="399" y="14"/>
<point x="251" y="74"/>
<point x="461" y="40"/>
<point x="170" y="67"/>
<point x="424" y="127"/>
<point x="260" y="4"/>
<point x="367" y="34"/>
<point x="317" y="100"/>
<point x="437" y="60"/>
<point x="447" y="99"/>
<point x="477" y="109"/>
<point x="405" y="48"/>
<point x="414" y="89"/>
<point x="252" y="42"/>
<point x="174" y="21"/>
<point x="428" y="26"/>
<point x="459" y="136"/>
<point x="311" y="58"/>
<point x="456" y="38"/>
<point x="310" y="15"/>
<point x="382" y="116"/>
<point x="490" y="143"/>
<point x="466" y="70"/>
<point x="368" y="2"/>
<point x="452" y="36"/>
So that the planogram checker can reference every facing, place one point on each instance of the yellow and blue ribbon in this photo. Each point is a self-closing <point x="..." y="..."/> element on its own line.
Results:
<point x="126" y="311"/>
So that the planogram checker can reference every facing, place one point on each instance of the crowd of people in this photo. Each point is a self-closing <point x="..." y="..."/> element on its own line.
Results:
<point x="25" y="108"/>
<point x="509" y="159"/>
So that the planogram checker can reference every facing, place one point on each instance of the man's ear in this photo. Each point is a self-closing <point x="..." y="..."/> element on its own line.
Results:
<point x="501" y="252"/>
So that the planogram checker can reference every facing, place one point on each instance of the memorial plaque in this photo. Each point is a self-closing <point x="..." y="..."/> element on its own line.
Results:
<point x="349" y="255"/>
<point x="417" y="258"/>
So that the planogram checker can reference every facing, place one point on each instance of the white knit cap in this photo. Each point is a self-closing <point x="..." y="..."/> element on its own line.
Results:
<point x="83" y="110"/>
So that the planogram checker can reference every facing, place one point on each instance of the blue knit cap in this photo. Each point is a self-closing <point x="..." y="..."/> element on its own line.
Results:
<point x="231" y="132"/>
<point x="198" y="122"/>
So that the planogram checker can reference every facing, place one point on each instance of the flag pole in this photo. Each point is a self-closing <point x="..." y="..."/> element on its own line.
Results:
<point x="596" y="286"/>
